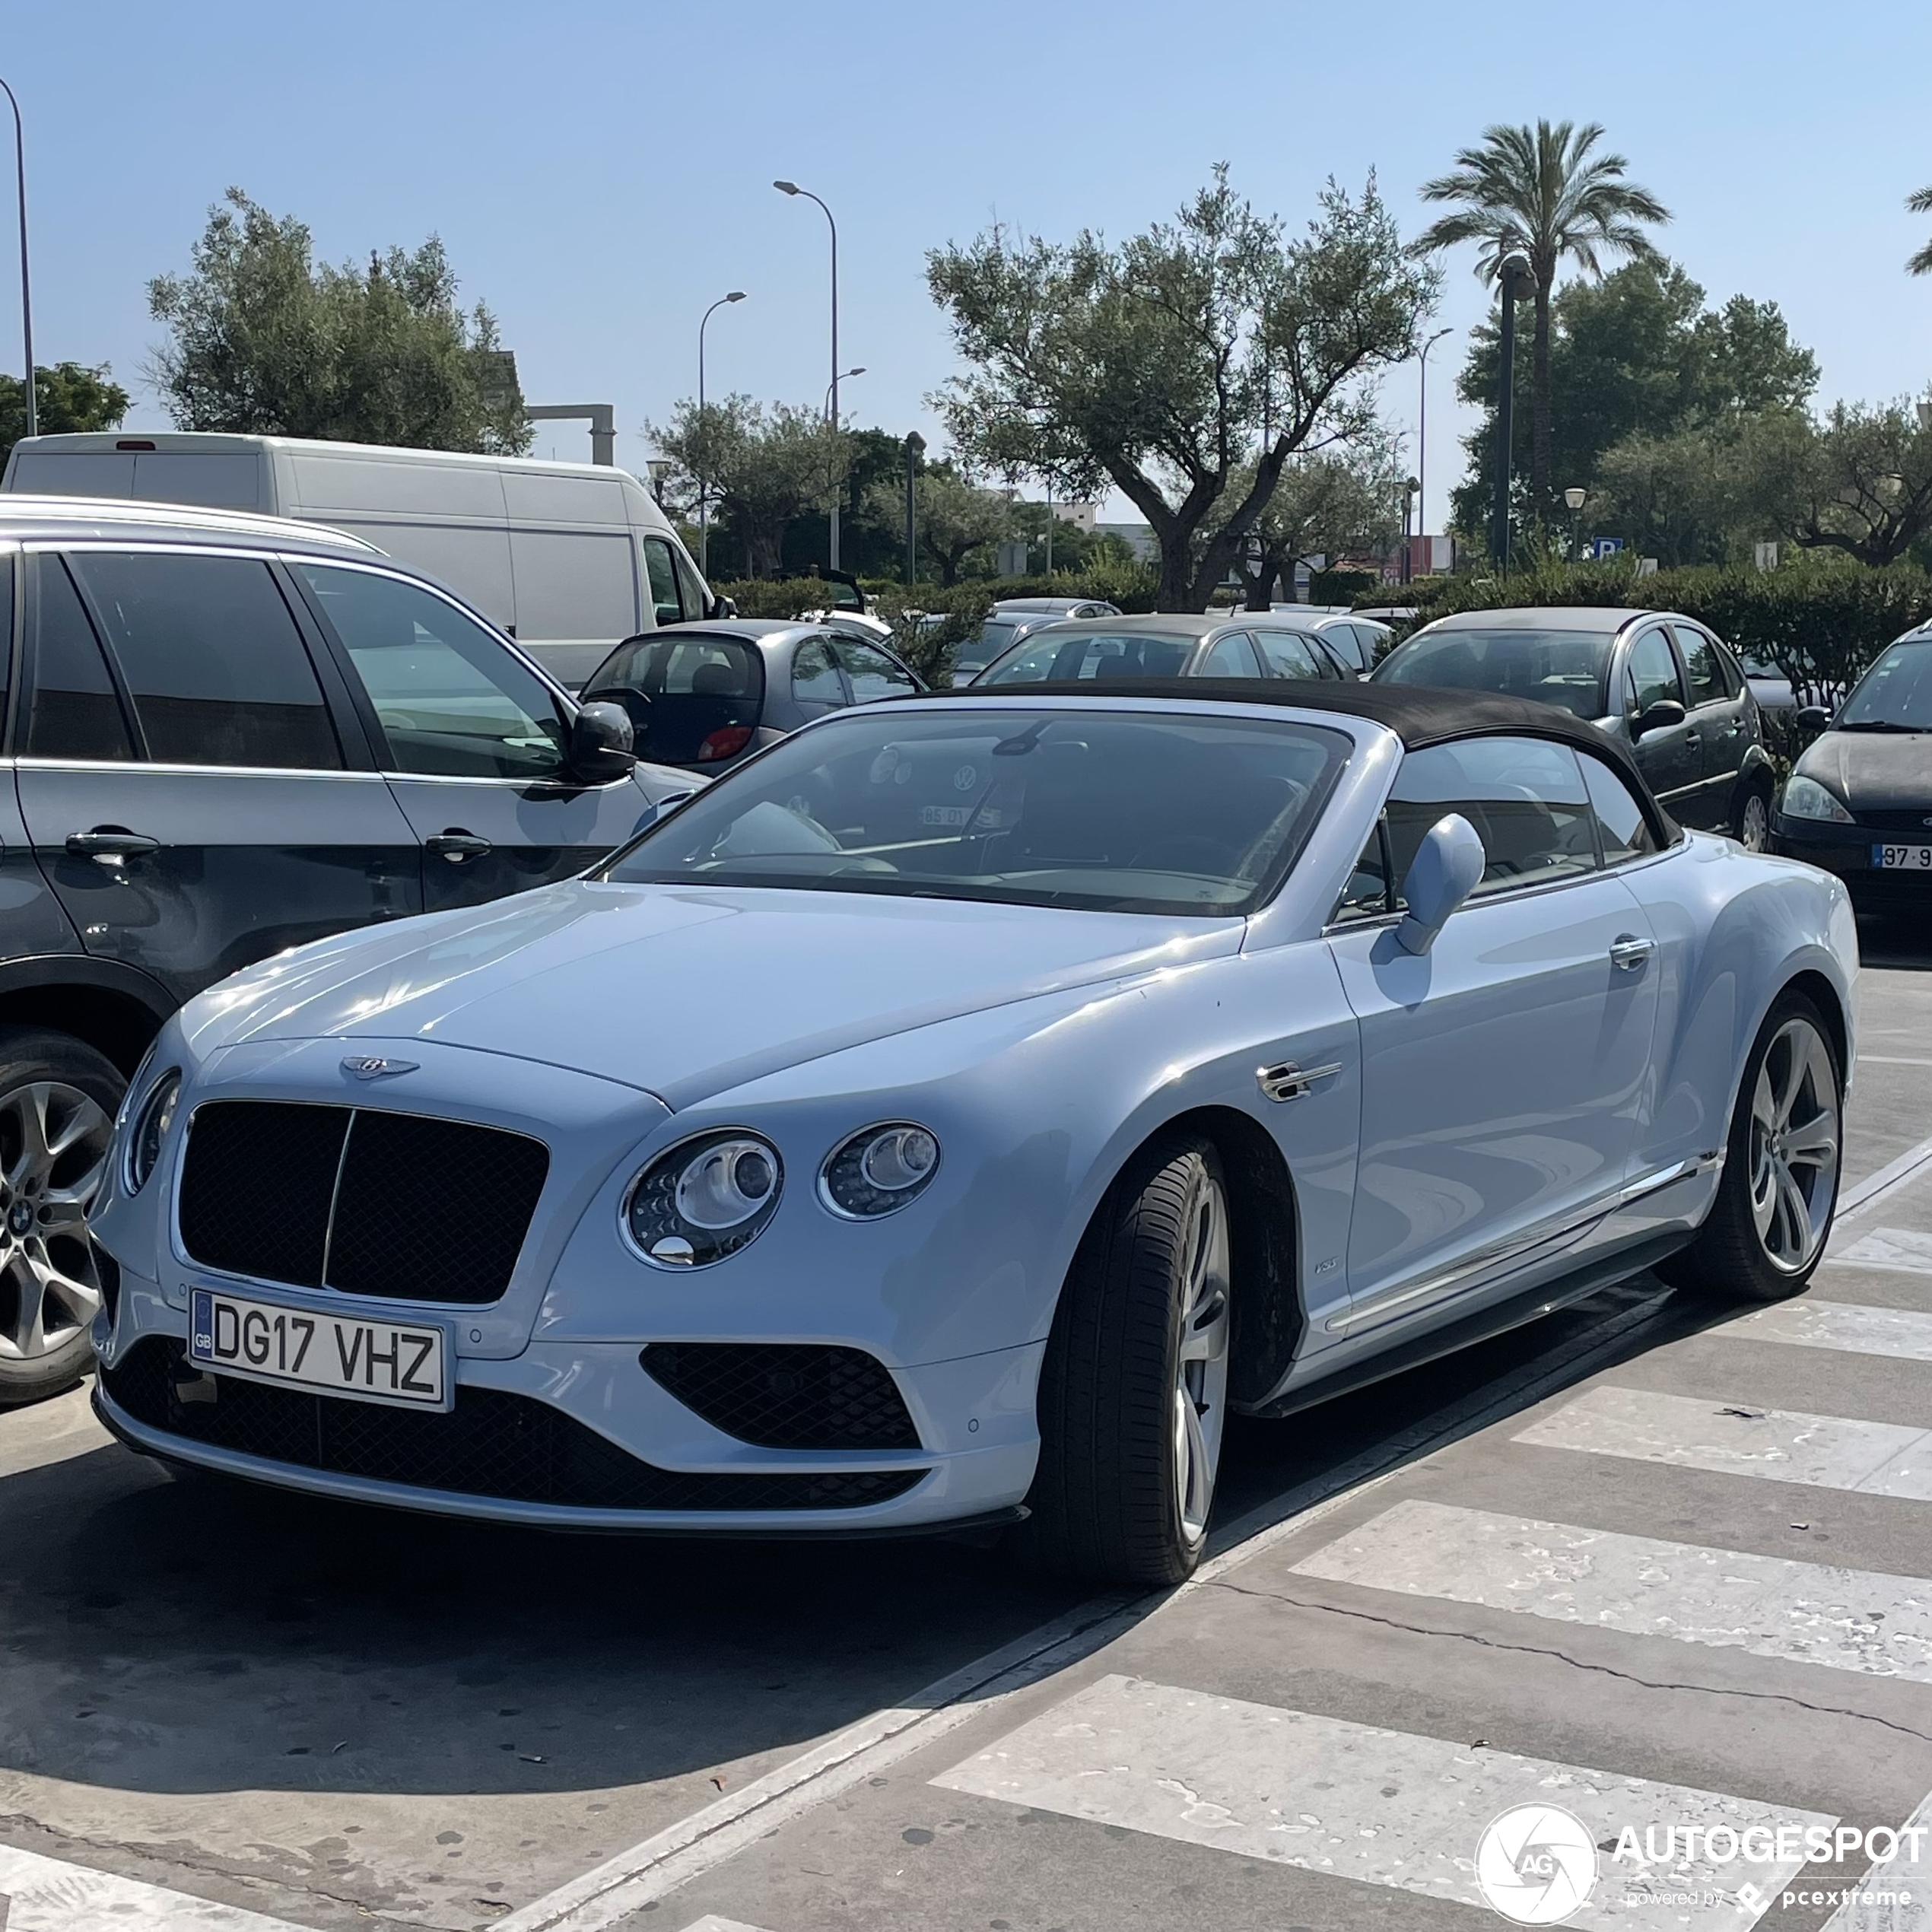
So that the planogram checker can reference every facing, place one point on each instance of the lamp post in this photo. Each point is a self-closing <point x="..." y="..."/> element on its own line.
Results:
<point x="1411" y="491"/>
<point x="915" y="449"/>
<point x="26" y="297"/>
<point x="704" y="484"/>
<point x="660" y="468"/>
<point x="1576" y="499"/>
<point x="831" y="414"/>
<point x="792" y="188"/>
<point x="1511" y="278"/>
<point x="1422" y="429"/>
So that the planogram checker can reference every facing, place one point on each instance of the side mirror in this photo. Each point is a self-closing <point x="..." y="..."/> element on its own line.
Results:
<point x="601" y="742"/>
<point x="1814" y="717"/>
<point x="1446" y="869"/>
<point x="1659" y="716"/>
<point x="723" y="607"/>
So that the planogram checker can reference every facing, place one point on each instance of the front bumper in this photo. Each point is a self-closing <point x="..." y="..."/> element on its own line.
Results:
<point x="1846" y="852"/>
<point x="575" y="1435"/>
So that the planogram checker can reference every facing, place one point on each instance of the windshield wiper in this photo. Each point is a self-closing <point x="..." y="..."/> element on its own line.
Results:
<point x="1883" y="724"/>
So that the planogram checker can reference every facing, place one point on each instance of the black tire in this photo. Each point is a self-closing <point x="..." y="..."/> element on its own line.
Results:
<point x="59" y="1351"/>
<point x="1115" y="1452"/>
<point x="1732" y="1257"/>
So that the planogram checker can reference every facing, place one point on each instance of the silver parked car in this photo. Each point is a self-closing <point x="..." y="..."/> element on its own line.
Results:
<point x="1010" y="619"/>
<point x="1172" y="644"/>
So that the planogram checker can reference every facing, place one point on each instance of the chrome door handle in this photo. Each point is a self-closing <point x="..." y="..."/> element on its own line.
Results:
<point x="1628" y="952"/>
<point x="457" y="846"/>
<point x="111" y="846"/>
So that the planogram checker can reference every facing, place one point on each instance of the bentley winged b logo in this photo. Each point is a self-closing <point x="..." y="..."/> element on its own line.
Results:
<point x="373" y="1067"/>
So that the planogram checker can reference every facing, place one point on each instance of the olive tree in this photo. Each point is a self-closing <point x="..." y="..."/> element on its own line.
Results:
<point x="1209" y="348"/>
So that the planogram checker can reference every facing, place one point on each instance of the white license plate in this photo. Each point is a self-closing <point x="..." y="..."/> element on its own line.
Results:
<point x="1902" y="858"/>
<point x="374" y="1360"/>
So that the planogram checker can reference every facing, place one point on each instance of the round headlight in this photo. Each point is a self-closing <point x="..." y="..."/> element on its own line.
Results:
<point x="150" y="1132"/>
<point x="703" y="1201"/>
<point x="879" y="1170"/>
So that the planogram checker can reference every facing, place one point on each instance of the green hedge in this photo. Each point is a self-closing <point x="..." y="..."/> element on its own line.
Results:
<point x="1821" y="621"/>
<point x="1347" y="587"/>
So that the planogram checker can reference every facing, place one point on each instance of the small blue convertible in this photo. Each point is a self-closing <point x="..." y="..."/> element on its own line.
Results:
<point x="953" y="1114"/>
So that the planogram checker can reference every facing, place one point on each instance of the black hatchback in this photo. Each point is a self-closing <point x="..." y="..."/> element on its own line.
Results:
<point x="225" y="736"/>
<point x="707" y="695"/>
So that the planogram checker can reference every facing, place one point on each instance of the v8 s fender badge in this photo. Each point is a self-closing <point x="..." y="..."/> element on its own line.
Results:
<point x="373" y="1067"/>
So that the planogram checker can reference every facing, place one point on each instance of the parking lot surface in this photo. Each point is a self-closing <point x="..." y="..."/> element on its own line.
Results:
<point x="1654" y="1560"/>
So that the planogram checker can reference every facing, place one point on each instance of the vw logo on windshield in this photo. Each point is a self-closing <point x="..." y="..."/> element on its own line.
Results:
<point x="965" y="778"/>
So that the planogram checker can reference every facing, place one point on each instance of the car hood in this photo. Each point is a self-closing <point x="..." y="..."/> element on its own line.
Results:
<point x="1873" y="771"/>
<point x="685" y="991"/>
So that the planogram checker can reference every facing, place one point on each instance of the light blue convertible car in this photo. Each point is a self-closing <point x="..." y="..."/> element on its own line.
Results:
<point x="951" y="1115"/>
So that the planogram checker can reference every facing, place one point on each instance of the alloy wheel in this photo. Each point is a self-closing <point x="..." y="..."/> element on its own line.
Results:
<point x="1794" y="1145"/>
<point x="1200" y="1391"/>
<point x="53" y="1153"/>
<point x="1754" y="824"/>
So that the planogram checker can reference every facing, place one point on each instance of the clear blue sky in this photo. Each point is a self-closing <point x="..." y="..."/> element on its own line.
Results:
<point x="599" y="172"/>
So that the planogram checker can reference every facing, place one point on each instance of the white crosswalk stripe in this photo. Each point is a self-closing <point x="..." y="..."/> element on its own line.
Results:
<point x="1831" y="1452"/>
<point x="1770" y="1607"/>
<point x="1896" y="1896"/>
<point x="1903" y="1333"/>
<point x="48" y="1895"/>
<point x="1902" y="1251"/>
<point x="1382" y="1807"/>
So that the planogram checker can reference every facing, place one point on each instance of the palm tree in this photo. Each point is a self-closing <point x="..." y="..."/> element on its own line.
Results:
<point x="1920" y="204"/>
<point x="1541" y="193"/>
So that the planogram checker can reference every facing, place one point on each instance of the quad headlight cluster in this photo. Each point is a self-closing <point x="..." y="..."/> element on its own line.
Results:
<point x="705" y="1198"/>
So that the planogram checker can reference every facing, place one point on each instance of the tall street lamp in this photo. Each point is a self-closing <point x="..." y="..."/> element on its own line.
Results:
<point x="792" y="188"/>
<point x="832" y="413"/>
<point x="1514" y="281"/>
<point x="1422" y="431"/>
<point x="703" y="486"/>
<point x="915" y="448"/>
<point x="26" y="297"/>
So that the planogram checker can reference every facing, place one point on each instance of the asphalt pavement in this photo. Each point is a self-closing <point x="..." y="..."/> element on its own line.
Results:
<point x="1651" y="1561"/>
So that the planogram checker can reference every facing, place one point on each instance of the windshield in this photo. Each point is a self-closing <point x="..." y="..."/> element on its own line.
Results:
<point x="1563" y="667"/>
<point x="1105" y="655"/>
<point x="1895" y="695"/>
<point x="1120" y="811"/>
<point x="976" y="654"/>
<point x="692" y="698"/>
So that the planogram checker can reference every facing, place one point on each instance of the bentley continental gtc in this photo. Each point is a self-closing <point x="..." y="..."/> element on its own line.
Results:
<point x="953" y="1114"/>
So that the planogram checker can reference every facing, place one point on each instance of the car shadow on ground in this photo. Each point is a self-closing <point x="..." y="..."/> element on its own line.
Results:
<point x="203" y="1635"/>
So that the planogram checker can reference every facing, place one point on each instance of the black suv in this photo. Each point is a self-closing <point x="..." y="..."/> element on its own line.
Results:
<point x="225" y="735"/>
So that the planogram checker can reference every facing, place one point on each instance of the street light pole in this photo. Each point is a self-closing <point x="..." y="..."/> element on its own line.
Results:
<point x="25" y="295"/>
<point x="831" y="414"/>
<point x="1510" y="277"/>
<point x="915" y="449"/>
<point x="1422" y="432"/>
<point x="792" y="188"/>
<point x="704" y="484"/>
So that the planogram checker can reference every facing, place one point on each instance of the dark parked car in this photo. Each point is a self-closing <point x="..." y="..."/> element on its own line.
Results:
<point x="1859" y="801"/>
<point x="705" y="695"/>
<point x="1659" y="681"/>
<point x="1110" y="649"/>
<point x="228" y="735"/>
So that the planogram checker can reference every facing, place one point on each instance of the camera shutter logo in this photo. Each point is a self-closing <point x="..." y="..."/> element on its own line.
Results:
<point x="1536" y="1864"/>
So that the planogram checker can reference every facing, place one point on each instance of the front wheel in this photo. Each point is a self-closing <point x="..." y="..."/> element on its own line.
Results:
<point x="1766" y="1234"/>
<point x="57" y="1098"/>
<point x="1133" y="1391"/>
<point x="1753" y="830"/>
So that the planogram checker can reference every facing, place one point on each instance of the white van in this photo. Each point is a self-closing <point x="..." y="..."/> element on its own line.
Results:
<point x="570" y="558"/>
